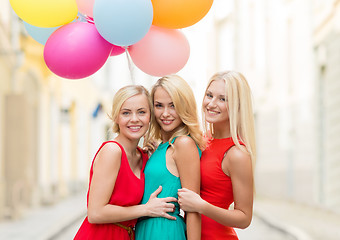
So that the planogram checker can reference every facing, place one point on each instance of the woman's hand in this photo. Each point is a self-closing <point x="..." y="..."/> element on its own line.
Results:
<point x="190" y="201"/>
<point x="150" y="147"/>
<point x="159" y="207"/>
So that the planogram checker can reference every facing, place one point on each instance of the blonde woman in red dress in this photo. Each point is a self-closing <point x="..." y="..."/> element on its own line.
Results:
<point x="117" y="174"/>
<point x="227" y="162"/>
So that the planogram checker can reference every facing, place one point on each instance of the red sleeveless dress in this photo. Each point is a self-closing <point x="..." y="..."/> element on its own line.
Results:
<point x="216" y="188"/>
<point x="128" y="191"/>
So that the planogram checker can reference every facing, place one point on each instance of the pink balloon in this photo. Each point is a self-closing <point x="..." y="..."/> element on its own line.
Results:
<point x="76" y="50"/>
<point x="85" y="7"/>
<point x="116" y="50"/>
<point x="161" y="52"/>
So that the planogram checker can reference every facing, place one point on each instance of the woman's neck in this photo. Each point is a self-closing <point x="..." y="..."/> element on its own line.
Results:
<point x="165" y="139"/>
<point x="221" y="130"/>
<point x="166" y="136"/>
<point x="130" y="146"/>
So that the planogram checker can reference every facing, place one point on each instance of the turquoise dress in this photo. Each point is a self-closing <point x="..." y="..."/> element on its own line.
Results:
<point x="156" y="174"/>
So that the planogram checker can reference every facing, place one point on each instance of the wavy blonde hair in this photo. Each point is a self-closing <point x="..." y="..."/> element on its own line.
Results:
<point x="184" y="101"/>
<point x="121" y="96"/>
<point x="240" y="110"/>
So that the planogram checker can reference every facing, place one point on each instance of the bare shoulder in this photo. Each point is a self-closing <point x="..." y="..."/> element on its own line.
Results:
<point x="110" y="152"/>
<point x="237" y="157"/>
<point x="111" y="148"/>
<point x="184" y="142"/>
<point x="185" y="150"/>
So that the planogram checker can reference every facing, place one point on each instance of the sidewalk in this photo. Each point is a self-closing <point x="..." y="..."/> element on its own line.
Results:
<point x="45" y="222"/>
<point x="301" y="221"/>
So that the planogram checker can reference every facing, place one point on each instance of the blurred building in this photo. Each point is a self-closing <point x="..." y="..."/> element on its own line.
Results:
<point x="290" y="50"/>
<point x="326" y="44"/>
<point x="49" y="127"/>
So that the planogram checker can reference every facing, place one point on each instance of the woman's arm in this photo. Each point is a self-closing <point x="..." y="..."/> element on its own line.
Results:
<point x="236" y="164"/>
<point x="105" y="172"/>
<point x="188" y="164"/>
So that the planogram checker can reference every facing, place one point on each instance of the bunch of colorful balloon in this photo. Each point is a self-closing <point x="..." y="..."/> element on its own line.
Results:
<point x="80" y="35"/>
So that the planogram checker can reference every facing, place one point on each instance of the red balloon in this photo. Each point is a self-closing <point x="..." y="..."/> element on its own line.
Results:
<point x="116" y="50"/>
<point x="161" y="52"/>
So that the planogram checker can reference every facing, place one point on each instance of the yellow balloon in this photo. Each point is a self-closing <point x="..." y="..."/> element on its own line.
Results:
<point x="45" y="13"/>
<point x="179" y="13"/>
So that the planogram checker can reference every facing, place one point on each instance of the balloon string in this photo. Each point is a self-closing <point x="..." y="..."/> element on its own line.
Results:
<point x="130" y="64"/>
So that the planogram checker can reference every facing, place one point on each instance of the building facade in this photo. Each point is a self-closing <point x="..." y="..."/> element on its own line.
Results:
<point x="326" y="46"/>
<point x="49" y="127"/>
<point x="289" y="51"/>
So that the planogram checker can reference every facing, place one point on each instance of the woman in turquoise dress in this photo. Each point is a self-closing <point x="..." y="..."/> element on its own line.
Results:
<point x="176" y="161"/>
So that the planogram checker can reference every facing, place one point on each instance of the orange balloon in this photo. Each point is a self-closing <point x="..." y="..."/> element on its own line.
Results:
<point x="179" y="13"/>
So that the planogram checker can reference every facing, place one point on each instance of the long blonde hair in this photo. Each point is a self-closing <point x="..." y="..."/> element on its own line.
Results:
<point x="121" y="96"/>
<point x="239" y="105"/>
<point x="183" y="99"/>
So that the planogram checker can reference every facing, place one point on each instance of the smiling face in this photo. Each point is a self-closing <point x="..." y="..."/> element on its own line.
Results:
<point x="134" y="117"/>
<point x="165" y="113"/>
<point x="215" y="103"/>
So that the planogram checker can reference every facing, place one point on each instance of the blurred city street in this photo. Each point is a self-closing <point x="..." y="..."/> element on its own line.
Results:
<point x="61" y="222"/>
<point x="273" y="220"/>
<point x="258" y="230"/>
<point x="51" y="125"/>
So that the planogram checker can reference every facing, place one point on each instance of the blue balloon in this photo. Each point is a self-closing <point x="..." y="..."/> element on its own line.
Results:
<point x="39" y="34"/>
<point x="123" y="22"/>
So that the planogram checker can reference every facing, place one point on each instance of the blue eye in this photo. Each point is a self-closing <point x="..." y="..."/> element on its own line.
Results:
<point x="158" y="105"/>
<point x="222" y="99"/>
<point x="209" y="95"/>
<point x="125" y="113"/>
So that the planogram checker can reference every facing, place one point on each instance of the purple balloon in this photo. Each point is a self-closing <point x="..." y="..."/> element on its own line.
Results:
<point x="76" y="50"/>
